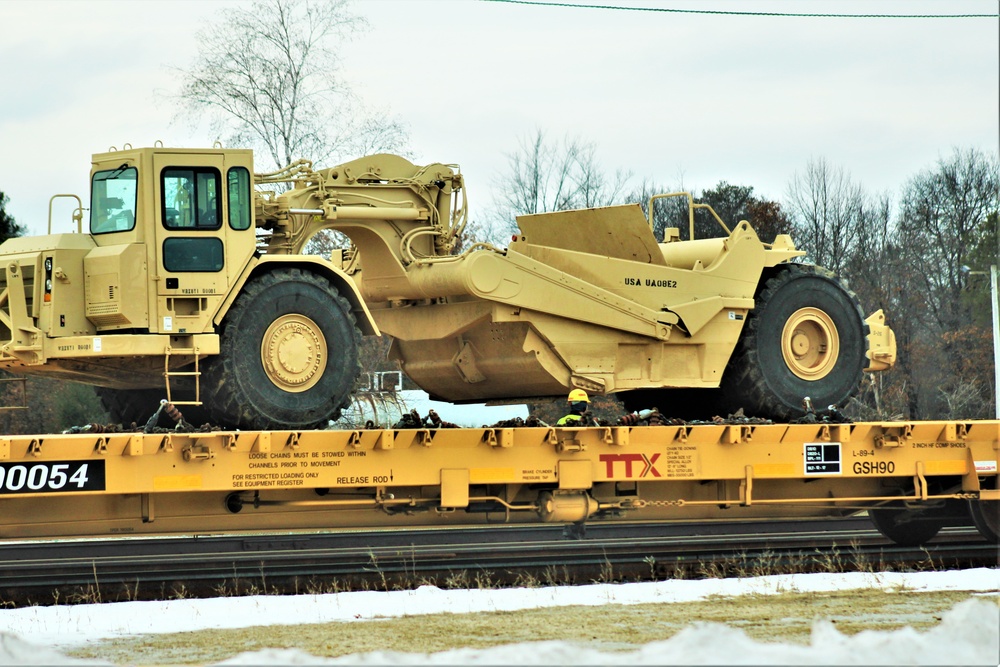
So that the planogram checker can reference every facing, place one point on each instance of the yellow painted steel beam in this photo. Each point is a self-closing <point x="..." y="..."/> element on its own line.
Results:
<point x="698" y="471"/>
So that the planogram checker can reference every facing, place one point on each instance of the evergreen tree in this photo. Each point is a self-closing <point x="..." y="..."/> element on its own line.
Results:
<point x="8" y="226"/>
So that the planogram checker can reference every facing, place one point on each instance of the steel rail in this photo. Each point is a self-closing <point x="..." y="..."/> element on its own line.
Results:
<point x="47" y="571"/>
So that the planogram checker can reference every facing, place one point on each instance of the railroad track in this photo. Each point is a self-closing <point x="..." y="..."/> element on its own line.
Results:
<point x="57" y="571"/>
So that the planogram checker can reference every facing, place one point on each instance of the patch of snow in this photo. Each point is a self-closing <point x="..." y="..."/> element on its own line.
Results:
<point x="970" y="635"/>
<point x="16" y="651"/>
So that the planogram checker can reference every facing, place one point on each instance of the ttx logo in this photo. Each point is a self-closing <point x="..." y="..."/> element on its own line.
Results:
<point x="648" y="464"/>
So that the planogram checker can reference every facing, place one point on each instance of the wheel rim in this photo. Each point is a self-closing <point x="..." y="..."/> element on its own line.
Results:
<point x="293" y="352"/>
<point x="810" y="344"/>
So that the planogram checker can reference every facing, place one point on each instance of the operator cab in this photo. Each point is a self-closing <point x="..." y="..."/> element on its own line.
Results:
<point x="173" y="228"/>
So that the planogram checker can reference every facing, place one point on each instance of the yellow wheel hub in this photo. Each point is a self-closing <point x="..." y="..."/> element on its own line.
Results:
<point x="810" y="344"/>
<point x="293" y="352"/>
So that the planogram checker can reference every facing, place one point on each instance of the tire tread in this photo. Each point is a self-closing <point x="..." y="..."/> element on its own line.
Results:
<point x="227" y="406"/>
<point x="744" y="382"/>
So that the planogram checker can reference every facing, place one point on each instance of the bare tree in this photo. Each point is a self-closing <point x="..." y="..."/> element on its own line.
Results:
<point x="667" y="212"/>
<point x="947" y="220"/>
<point x="826" y="206"/>
<point x="943" y="216"/>
<point x="268" y="76"/>
<point x="544" y="176"/>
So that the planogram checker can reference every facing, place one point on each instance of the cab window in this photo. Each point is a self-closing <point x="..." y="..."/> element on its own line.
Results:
<point x="240" y="201"/>
<point x="113" y="200"/>
<point x="191" y="198"/>
<point x="198" y="253"/>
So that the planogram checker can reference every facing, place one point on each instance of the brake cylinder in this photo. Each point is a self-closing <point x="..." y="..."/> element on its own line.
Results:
<point x="565" y="506"/>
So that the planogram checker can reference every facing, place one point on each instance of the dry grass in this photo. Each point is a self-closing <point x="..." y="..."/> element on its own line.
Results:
<point x="786" y="617"/>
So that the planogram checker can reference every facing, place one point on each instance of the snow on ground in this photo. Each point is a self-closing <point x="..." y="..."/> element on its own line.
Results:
<point x="968" y="635"/>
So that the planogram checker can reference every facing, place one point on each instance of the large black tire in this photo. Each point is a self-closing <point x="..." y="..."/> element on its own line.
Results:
<point x="288" y="355"/>
<point x="806" y="336"/>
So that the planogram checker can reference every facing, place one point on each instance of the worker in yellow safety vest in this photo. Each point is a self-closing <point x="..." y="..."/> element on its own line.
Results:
<point x="578" y="404"/>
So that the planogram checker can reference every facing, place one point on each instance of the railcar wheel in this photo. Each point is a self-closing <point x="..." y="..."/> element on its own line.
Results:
<point x="234" y="503"/>
<point x="986" y="517"/>
<point x="906" y="528"/>
<point x="288" y="355"/>
<point x="806" y="336"/>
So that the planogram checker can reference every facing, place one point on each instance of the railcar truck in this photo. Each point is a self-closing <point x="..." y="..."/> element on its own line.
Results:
<point x="190" y="282"/>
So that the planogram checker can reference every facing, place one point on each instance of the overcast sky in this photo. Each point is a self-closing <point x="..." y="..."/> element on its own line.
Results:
<point x="675" y="98"/>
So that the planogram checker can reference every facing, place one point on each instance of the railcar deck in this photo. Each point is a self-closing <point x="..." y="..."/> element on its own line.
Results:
<point x="912" y="477"/>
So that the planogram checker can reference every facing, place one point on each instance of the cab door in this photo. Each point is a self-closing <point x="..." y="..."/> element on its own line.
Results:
<point x="201" y="241"/>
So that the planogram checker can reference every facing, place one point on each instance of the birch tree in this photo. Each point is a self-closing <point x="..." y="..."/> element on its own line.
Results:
<point x="268" y="76"/>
